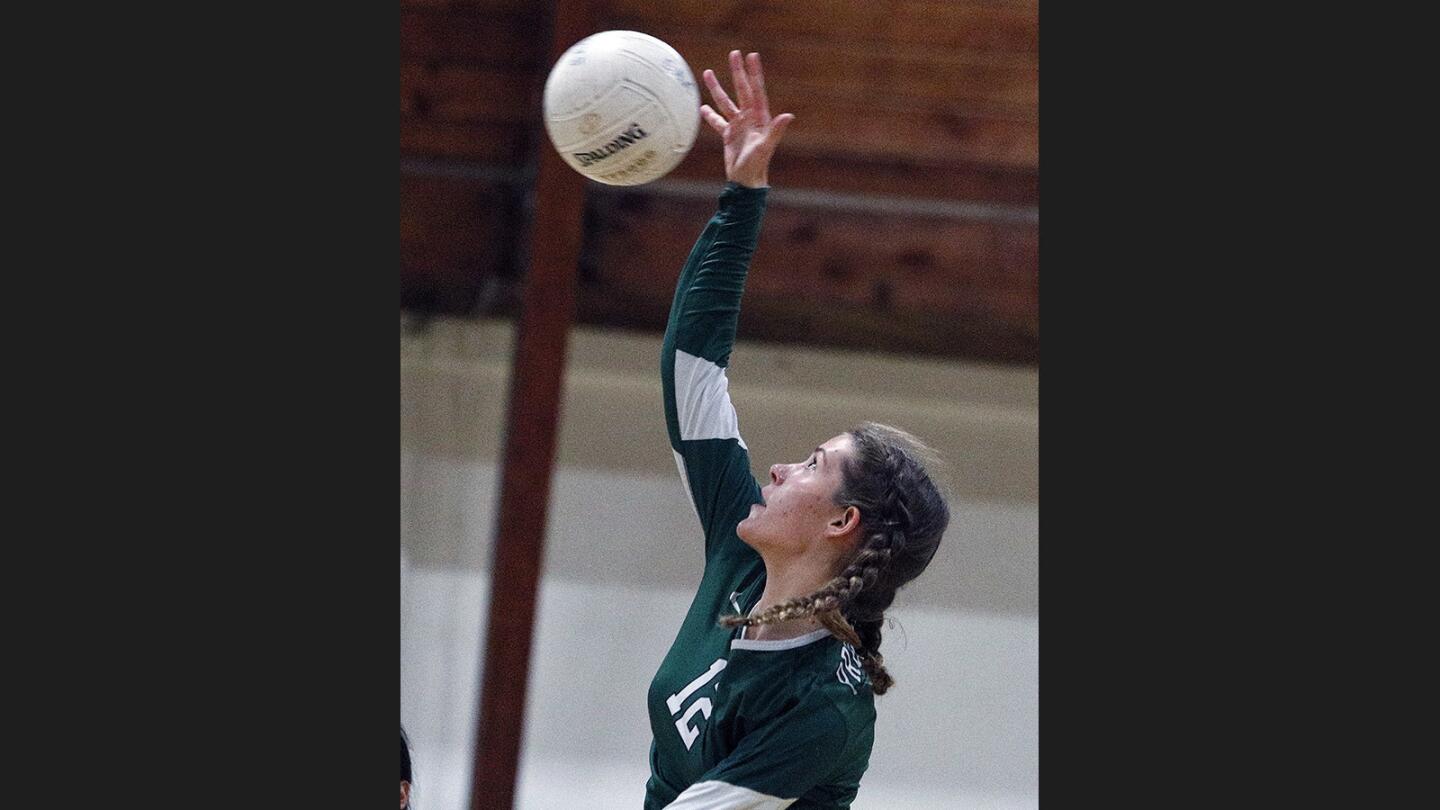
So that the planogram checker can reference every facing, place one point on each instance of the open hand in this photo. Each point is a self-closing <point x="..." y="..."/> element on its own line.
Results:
<point x="749" y="133"/>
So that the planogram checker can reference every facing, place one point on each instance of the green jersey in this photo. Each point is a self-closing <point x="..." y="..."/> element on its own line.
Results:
<point x="739" y="723"/>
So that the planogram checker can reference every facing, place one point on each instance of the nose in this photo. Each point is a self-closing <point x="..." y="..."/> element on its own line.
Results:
<point x="777" y="474"/>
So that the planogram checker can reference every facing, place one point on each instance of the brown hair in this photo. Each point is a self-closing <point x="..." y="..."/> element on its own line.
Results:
<point x="902" y="517"/>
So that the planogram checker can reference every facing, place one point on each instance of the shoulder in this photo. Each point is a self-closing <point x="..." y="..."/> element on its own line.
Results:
<point x="825" y="718"/>
<point x="836" y="684"/>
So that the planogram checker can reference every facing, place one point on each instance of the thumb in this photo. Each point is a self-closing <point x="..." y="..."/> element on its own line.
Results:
<point x="778" y="127"/>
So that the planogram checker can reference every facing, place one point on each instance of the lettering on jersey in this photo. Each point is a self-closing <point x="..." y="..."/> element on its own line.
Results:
<point x="850" y="672"/>
<point x="702" y="705"/>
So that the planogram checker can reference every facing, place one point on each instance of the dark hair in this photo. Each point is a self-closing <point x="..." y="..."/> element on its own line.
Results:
<point x="406" y="774"/>
<point x="902" y="518"/>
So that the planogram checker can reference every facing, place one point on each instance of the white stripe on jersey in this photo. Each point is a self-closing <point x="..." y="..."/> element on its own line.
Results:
<point x="780" y="644"/>
<point x="685" y="482"/>
<point x="702" y="400"/>
<point x="720" y="796"/>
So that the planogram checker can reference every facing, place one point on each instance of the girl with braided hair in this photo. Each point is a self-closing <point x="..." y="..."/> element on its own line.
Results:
<point x="766" y="697"/>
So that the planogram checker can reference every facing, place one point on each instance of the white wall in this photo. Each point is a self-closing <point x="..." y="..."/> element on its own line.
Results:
<point x="960" y="729"/>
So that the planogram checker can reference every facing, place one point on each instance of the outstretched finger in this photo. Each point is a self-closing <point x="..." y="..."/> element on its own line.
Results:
<point x="757" y="87"/>
<point x="718" y="93"/>
<point x="742" y="84"/>
<point x="712" y="118"/>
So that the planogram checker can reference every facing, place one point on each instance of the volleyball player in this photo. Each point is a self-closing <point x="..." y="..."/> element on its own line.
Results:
<point x="766" y="697"/>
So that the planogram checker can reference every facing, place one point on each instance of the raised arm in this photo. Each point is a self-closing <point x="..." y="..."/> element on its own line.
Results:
<point x="704" y="432"/>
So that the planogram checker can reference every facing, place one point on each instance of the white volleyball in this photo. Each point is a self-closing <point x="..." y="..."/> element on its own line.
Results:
<point x="622" y="107"/>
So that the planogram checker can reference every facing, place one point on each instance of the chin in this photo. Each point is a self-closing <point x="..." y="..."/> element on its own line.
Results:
<point x="742" y="531"/>
<point x="745" y="530"/>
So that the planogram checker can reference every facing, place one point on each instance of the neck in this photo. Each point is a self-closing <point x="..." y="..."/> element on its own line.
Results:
<point x="786" y="580"/>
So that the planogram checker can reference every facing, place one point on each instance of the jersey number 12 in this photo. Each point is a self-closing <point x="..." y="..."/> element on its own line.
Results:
<point x="703" y="705"/>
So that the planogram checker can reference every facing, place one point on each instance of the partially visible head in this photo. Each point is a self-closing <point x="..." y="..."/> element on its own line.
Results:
<point x="407" y="776"/>
<point x="878" y="515"/>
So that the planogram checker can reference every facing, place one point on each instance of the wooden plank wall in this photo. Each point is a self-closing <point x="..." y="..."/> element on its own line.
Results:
<point x="915" y="155"/>
<point x="468" y="72"/>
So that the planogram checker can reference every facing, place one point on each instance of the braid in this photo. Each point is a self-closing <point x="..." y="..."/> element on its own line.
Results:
<point x="870" y="658"/>
<point x="796" y="608"/>
<point x="836" y="593"/>
<point x="863" y="616"/>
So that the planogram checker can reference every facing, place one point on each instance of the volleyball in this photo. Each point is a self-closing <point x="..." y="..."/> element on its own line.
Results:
<point x="621" y="107"/>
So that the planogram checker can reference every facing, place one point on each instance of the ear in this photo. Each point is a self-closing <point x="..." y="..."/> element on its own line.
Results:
<point x="844" y="525"/>
<point x="404" y="794"/>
